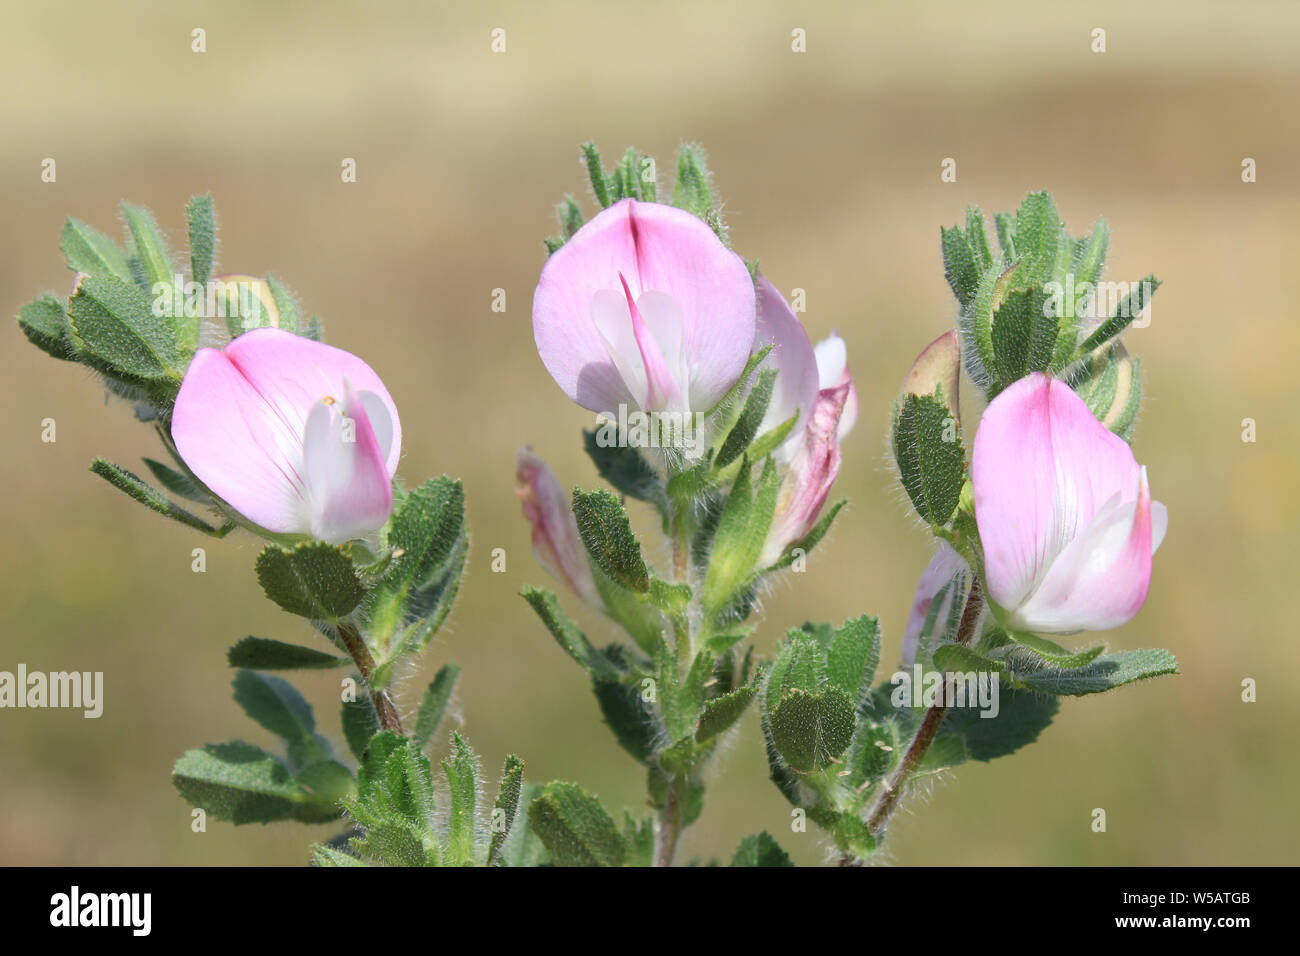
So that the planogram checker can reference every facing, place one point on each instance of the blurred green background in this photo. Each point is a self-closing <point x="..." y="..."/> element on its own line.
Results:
<point x="829" y="164"/>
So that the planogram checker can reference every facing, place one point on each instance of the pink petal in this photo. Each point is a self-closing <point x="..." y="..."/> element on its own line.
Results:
<point x="348" y="483"/>
<point x="239" y="446"/>
<point x="812" y="472"/>
<point x="657" y="248"/>
<point x="1100" y="579"/>
<point x="556" y="542"/>
<point x="832" y="370"/>
<point x="942" y="568"/>
<point x="241" y="416"/>
<point x="792" y="355"/>
<point x="1052" y="484"/>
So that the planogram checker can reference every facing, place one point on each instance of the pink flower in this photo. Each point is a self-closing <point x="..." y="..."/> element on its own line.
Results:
<point x="556" y="542"/>
<point x="298" y="437"/>
<point x="818" y="384"/>
<point x="644" y="307"/>
<point x="943" y="566"/>
<point x="1064" y="512"/>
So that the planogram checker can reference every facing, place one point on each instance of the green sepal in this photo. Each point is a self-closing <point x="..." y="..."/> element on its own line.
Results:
<point x="625" y="469"/>
<point x="1054" y="653"/>
<point x="742" y="434"/>
<point x="720" y="713"/>
<point x="179" y="484"/>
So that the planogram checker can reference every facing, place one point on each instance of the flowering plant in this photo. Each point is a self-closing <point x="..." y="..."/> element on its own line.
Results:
<point x="720" y="421"/>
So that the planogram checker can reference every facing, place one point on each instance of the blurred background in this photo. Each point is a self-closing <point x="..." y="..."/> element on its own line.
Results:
<point x="829" y="163"/>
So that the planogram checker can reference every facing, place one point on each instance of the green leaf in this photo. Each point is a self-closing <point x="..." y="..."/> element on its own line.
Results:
<point x="328" y="781"/>
<point x="568" y="636"/>
<point x="1021" y="717"/>
<point x="1005" y="225"/>
<point x="607" y="534"/>
<point x="92" y="252"/>
<point x="1090" y="254"/>
<point x="803" y="547"/>
<point x="1104" y="673"/>
<point x="45" y="323"/>
<point x="203" y="237"/>
<point x="1128" y="310"/>
<point x="720" y="713"/>
<point x="932" y="470"/>
<point x="240" y="783"/>
<point x="275" y="704"/>
<point x="1054" y="653"/>
<point x="853" y="656"/>
<point x="133" y="486"/>
<point x="285" y="304"/>
<point x="959" y="264"/>
<point x="262" y="654"/>
<point x="434" y="703"/>
<point x="522" y="847"/>
<point x="811" y="730"/>
<point x="692" y="191"/>
<point x="635" y="724"/>
<point x="115" y="331"/>
<point x="147" y="247"/>
<point x="461" y="770"/>
<point x="759" y="849"/>
<point x="960" y="659"/>
<point x="506" y="806"/>
<point x="751" y="417"/>
<point x="625" y="469"/>
<point x="314" y="580"/>
<point x="1024" y="335"/>
<point x="1038" y="234"/>
<point x="322" y="854"/>
<point x="179" y="484"/>
<point x="360" y="722"/>
<point x="574" y="827"/>
<point x="596" y="174"/>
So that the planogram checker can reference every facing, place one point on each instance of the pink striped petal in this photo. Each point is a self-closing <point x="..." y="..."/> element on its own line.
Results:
<point x="942" y="568"/>
<point x="1053" y="486"/>
<point x="655" y="248"/>
<point x="792" y="355"/>
<point x="241" y="419"/>
<point x="556" y="542"/>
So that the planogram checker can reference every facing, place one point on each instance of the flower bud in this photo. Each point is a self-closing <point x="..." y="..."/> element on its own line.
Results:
<point x="937" y="368"/>
<point x="556" y="542"/>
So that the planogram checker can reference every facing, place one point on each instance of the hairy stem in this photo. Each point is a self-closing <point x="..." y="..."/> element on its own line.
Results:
<point x="669" y="826"/>
<point x="929" y="728"/>
<point x="365" y="661"/>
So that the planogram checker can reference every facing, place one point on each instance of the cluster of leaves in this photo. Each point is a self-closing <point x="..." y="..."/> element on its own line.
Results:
<point x="377" y="611"/>
<point x="636" y="176"/>
<point x="836" y="746"/>
<point x="1030" y="308"/>
<point x="121" y="320"/>
<point x="683" y="681"/>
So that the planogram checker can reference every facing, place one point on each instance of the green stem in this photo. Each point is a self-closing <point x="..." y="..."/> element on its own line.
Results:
<point x="669" y="826"/>
<point x="389" y="719"/>
<point x="929" y="728"/>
